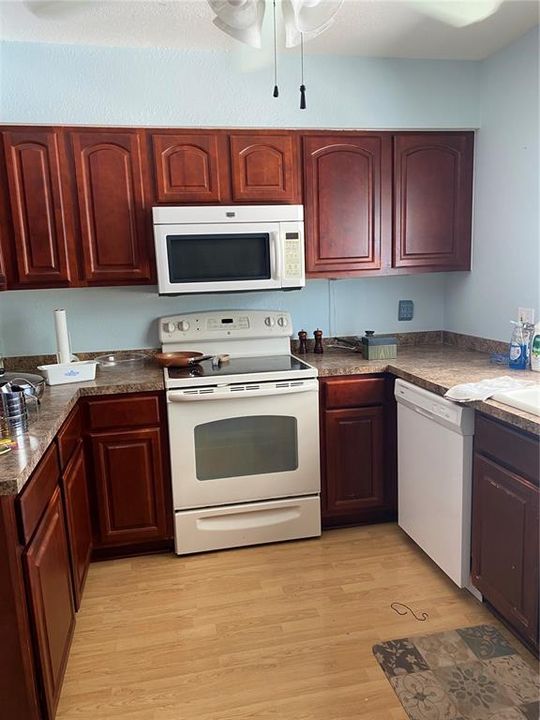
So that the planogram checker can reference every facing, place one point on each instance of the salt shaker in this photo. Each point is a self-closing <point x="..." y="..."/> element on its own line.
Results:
<point x="302" y="339"/>
<point x="318" y="342"/>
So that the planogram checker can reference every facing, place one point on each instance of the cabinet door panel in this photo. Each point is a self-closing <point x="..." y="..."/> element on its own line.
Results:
<point x="354" y="460"/>
<point x="433" y="200"/>
<point x="347" y="202"/>
<point x="115" y="221"/>
<point x="50" y="595"/>
<point x="190" y="167"/>
<point x="40" y="207"/>
<point x="264" y="168"/>
<point x="505" y="563"/>
<point x="130" y="486"/>
<point x="78" y="521"/>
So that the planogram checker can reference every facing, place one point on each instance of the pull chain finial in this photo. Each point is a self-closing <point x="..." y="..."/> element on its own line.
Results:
<point x="302" y="86"/>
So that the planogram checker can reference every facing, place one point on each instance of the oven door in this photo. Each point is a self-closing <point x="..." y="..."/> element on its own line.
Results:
<point x="218" y="257"/>
<point x="242" y="443"/>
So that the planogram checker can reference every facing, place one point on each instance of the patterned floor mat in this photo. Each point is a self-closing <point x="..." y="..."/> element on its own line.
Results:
<point x="466" y="674"/>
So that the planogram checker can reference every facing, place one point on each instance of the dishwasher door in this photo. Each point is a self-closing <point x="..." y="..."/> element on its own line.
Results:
<point x="435" y="444"/>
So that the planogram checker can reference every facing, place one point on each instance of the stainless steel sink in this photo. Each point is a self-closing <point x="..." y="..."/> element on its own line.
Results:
<point x="527" y="399"/>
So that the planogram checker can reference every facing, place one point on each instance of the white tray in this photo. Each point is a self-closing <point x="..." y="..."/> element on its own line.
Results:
<point x="63" y="373"/>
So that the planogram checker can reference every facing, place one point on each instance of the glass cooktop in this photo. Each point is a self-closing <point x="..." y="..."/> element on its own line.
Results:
<point x="241" y="366"/>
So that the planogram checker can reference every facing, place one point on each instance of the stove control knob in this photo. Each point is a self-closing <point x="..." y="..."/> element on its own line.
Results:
<point x="169" y="327"/>
<point x="282" y="321"/>
<point x="183" y="326"/>
<point x="269" y="321"/>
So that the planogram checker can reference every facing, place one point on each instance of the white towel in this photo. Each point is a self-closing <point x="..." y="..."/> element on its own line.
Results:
<point x="484" y="389"/>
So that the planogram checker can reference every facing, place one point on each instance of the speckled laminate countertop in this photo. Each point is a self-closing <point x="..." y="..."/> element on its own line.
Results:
<point x="434" y="367"/>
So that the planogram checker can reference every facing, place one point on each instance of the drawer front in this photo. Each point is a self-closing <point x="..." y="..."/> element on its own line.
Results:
<point x="353" y="392"/>
<point x="38" y="492"/>
<point x="123" y="412"/>
<point x="69" y="437"/>
<point x="513" y="449"/>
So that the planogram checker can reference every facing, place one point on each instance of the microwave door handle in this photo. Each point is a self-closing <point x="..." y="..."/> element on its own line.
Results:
<point x="275" y="270"/>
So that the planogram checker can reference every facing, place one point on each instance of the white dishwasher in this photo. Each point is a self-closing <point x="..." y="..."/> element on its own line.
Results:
<point x="435" y="447"/>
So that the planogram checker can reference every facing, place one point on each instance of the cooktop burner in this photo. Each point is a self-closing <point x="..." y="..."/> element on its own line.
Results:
<point x="241" y="366"/>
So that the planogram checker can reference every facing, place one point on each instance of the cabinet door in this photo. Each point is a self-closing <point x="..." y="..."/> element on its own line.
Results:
<point x="128" y="467"/>
<point x="264" y="168"/>
<point x="433" y="200"/>
<point x="115" y="221"/>
<point x="41" y="208"/>
<point x="78" y="521"/>
<point x="190" y="167"/>
<point x="354" y="463"/>
<point x="50" y="597"/>
<point x="505" y="544"/>
<point x="347" y="197"/>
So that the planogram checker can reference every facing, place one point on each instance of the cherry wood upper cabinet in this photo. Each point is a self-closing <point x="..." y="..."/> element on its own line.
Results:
<point x="264" y="167"/>
<point x="433" y="200"/>
<point x="347" y="195"/>
<point x="190" y="167"/>
<point x="50" y="597"/>
<point x="114" y="213"/>
<point x="41" y="208"/>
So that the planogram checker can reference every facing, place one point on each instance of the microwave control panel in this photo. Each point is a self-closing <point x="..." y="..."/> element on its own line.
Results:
<point x="293" y="255"/>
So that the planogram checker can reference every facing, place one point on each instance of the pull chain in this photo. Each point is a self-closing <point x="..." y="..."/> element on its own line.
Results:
<point x="302" y="86"/>
<point x="276" y="89"/>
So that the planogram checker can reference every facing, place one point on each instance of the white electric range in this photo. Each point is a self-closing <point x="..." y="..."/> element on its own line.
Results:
<point x="243" y="435"/>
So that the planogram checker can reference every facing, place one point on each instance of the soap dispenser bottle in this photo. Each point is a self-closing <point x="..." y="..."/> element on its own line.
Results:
<point x="535" y="349"/>
<point x="518" y="348"/>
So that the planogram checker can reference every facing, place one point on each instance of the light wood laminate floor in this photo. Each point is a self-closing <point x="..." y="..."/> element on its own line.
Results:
<point x="276" y="632"/>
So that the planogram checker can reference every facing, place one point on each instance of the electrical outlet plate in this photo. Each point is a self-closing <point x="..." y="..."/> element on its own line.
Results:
<point x="405" y="310"/>
<point x="526" y="315"/>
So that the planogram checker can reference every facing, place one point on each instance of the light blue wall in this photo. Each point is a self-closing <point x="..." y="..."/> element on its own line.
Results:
<point x="43" y="83"/>
<point x="46" y="83"/>
<point x="506" y="241"/>
<point x="117" y="318"/>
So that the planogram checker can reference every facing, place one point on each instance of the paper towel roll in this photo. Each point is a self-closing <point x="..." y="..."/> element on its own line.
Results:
<point x="63" y="350"/>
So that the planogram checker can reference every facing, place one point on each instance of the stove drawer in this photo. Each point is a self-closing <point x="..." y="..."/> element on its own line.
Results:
<point x="247" y="524"/>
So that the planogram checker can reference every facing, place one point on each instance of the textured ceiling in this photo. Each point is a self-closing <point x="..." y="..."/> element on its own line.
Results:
<point x="377" y="28"/>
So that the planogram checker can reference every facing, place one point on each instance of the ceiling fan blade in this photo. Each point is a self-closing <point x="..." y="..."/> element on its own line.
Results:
<point x="58" y="9"/>
<point x="241" y="19"/>
<point x="308" y="18"/>
<point x="458" y="13"/>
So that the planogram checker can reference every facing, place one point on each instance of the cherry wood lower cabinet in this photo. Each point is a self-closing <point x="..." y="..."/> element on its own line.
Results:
<point x="130" y="472"/>
<point x="48" y="572"/>
<point x="79" y="527"/>
<point x="358" y="450"/>
<point x="505" y="553"/>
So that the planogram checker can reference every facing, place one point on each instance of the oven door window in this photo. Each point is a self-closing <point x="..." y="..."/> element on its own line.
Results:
<point x="220" y="257"/>
<point x="253" y="445"/>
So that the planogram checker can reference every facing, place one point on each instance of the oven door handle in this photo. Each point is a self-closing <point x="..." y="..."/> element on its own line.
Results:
<point x="180" y="396"/>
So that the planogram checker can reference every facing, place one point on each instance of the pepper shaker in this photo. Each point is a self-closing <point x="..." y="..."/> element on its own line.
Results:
<point x="302" y="339"/>
<point x="318" y="342"/>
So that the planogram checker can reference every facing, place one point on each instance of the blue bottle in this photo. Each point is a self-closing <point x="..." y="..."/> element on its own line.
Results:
<point x="518" y="348"/>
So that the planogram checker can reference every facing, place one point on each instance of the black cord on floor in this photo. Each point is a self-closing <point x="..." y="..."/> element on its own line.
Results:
<point x="396" y="605"/>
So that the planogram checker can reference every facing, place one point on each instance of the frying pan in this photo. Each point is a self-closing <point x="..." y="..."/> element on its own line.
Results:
<point x="185" y="359"/>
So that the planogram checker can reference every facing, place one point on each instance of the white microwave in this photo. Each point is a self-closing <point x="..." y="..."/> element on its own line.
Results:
<point x="220" y="248"/>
